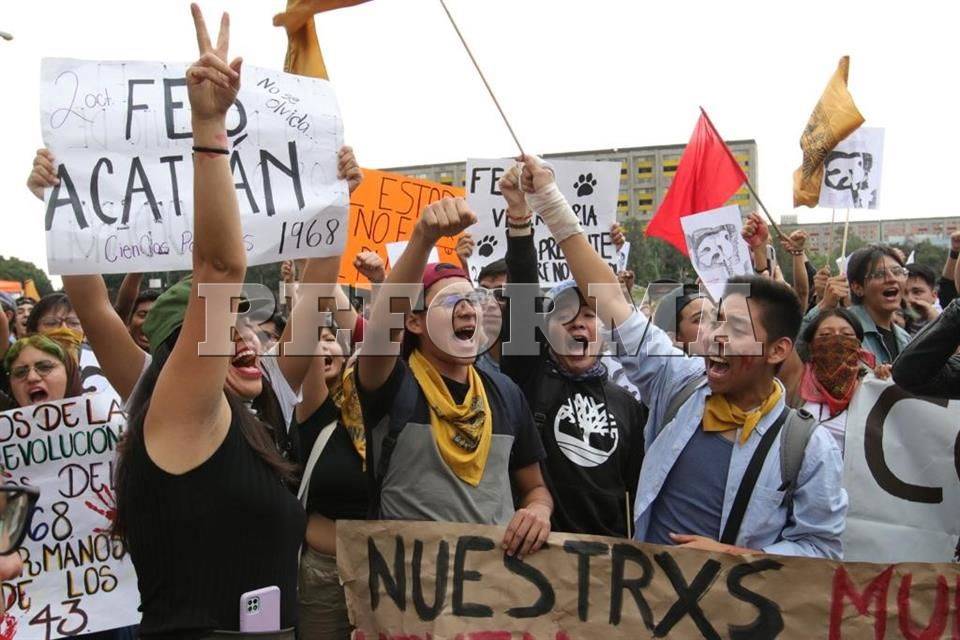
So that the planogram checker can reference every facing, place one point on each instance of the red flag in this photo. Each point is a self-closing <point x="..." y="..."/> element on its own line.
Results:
<point x="706" y="178"/>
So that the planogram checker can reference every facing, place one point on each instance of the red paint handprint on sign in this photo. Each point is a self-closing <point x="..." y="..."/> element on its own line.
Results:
<point x="108" y="508"/>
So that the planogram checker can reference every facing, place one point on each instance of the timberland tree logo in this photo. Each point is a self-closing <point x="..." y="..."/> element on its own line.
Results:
<point x="585" y="431"/>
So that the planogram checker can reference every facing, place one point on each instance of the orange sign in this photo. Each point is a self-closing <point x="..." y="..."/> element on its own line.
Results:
<point x="384" y="209"/>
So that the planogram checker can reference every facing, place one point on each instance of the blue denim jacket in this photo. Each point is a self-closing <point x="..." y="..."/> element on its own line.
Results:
<point x="818" y="518"/>
<point x="872" y="340"/>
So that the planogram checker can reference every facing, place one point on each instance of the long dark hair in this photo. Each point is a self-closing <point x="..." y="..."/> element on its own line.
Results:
<point x="863" y="260"/>
<point x="257" y="435"/>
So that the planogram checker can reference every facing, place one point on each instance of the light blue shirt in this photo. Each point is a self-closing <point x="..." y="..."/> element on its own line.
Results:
<point x="816" y="523"/>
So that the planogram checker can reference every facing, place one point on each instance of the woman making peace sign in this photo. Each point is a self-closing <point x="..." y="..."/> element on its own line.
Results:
<point x="201" y="502"/>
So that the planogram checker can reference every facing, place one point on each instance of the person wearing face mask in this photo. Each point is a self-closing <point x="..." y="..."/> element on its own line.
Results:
<point x="592" y="429"/>
<point x="874" y="282"/>
<point x="835" y="364"/>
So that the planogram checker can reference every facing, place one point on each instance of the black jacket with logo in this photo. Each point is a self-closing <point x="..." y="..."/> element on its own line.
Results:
<point x="592" y="430"/>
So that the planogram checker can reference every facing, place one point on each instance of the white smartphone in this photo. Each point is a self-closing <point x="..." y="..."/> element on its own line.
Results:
<point x="260" y="610"/>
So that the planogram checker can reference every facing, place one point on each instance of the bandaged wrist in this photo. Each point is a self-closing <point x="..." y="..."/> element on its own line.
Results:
<point x="555" y="211"/>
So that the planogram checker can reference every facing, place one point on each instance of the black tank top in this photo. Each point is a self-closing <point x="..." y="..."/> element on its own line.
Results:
<point x="202" y="539"/>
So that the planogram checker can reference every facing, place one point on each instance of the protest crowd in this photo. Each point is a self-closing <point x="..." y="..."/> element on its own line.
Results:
<point x="256" y="423"/>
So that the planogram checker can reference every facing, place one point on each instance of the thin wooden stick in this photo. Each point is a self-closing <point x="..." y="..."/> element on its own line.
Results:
<point x="833" y="220"/>
<point x="764" y="209"/>
<point x="482" y="77"/>
<point x="843" y="249"/>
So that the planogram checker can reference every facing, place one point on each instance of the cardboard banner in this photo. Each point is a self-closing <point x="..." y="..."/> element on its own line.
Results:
<point x="901" y="463"/>
<point x="77" y="578"/>
<point x="450" y="581"/>
<point x="121" y="135"/>
<point x="853" y="170"/>
<point x="591" y="188"/>
<point x="383" y="210"/>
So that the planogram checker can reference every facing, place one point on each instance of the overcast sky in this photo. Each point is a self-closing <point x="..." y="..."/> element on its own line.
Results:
<point x="570" y="75"/>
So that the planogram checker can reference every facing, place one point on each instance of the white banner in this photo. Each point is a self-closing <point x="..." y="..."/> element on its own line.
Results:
<point x="591" y="188"/>
<point x="852" y="171"/>
<point x="900" y="471"/>
<point x="717" y="250"/>
<point x="121" y="135"/>
<point x="76" y="577"/>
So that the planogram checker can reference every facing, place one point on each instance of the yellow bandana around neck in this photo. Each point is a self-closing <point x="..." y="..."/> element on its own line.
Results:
<point x="721" y="415"/>
<point x="348" y="401"/>
<point x="462" y="431"/>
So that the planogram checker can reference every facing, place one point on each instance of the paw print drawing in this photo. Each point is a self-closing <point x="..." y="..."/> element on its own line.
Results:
<point x="585" y="185"/>
<point x="486" y="245"/>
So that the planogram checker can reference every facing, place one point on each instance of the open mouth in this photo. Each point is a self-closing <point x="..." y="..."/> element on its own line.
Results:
<point x="717" y="366"/>
<point x="465" y="333"/>
<point x="891" y="294"/>
<point x="37" y="395"/>
<point x="245" y="363"/>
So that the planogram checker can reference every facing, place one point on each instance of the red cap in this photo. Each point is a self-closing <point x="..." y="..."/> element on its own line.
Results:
<point x="437" y="271"/>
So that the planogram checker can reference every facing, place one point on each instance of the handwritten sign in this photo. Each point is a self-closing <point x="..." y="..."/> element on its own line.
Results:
<point x="121" y="135"/>
<point x="384" y="210"/>
<point x="77" y="578"/>
<point x="591" y="188"/>
<point x="428" y="580"/>
<point x="902" y="481"/>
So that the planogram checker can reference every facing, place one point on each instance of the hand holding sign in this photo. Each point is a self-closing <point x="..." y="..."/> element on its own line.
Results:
<point x="348" y="169"/>
<point x="43" y="174"/>
<point x="212" y="84"/>
<point x="445" y="218"/>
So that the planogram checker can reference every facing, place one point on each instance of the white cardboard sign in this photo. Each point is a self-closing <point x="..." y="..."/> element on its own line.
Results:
<point x="716" y="248"/>
<point x="591" y="188"/>
<point x="120" y="132"/>
<point x="852" y="171"/>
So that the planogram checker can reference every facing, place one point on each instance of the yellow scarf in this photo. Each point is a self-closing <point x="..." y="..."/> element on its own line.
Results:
<point x="720" y="415"/>
<point x="462" y="432"/>
<point x="347" y="400"/>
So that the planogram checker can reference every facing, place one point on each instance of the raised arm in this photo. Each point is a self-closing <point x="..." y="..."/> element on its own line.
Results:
<point x="189" y="415"/>
<point x="795" y="245"/>
<point x="446" y="217"/>
<point x="320" y="274"/>
<point x="119" y="356"/>
<point x="127" y="295"/>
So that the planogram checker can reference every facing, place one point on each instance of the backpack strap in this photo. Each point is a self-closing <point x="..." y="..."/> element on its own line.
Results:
<point x="404" y="404"/>
<point x="732" y="528"/>
<point x="797" y="431"/>
<point x="678" y="400"/>
<point x="318" y="446"/>
<point x="548" y="390"/>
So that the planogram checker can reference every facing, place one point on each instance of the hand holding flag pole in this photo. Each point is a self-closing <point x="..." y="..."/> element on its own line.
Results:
<point x="482" y="77"/>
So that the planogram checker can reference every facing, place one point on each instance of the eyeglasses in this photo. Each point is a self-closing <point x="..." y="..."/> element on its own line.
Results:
<point x="55" y="323"/>
<point x="17" y="504"/>
<point x="43" y="369"/>
<point x="496" y="292"/>
<point x="476" y="298"/>
<point x="881" y="274"/>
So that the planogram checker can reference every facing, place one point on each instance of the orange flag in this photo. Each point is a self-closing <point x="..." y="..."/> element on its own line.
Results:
<point x="30" y="289"/>
<point x="834" y="118"/>
<point x="303" y="49"/>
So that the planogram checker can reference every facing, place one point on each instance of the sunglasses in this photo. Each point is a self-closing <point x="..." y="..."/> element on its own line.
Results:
<point x="476" y="298"/>
<point x="17" y="504"/>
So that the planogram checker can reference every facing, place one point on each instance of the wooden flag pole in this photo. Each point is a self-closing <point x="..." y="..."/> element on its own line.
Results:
<point x="482" y="77"/>
<point x="833" y="220"/>
<point x="764" y="209"/>
<point x="843" y="249"/>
